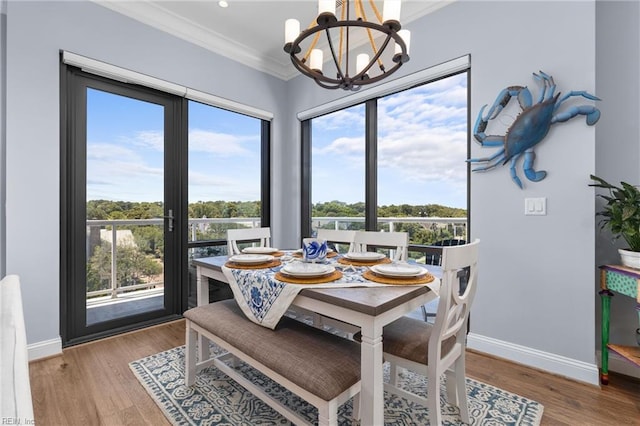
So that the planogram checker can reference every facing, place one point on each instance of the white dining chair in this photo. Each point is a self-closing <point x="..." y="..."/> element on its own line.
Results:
<point x="397" y="242"/>
<point x="337" y="236"/>
<point x="433" y="350"/>
<point x="262" y="235"/>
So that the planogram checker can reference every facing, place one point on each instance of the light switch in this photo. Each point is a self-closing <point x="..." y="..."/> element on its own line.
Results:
<point x="535" y="206"/>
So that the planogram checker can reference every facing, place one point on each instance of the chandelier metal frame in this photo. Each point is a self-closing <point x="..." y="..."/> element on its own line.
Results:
<point x="328" y="21"/>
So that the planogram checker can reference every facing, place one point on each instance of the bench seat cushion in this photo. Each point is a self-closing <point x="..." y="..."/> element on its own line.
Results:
<point x="319" y="362"/>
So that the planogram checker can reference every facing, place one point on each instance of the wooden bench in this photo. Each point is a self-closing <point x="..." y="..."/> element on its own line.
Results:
<point x="319" y="367"/>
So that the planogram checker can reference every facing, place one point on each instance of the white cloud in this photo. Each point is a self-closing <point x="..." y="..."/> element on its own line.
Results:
<point x="221" y="144"/>
<point x="109" y="152"/>
<point x="204" y="179"/>
<point x="342" y="146"/>
<point x="344" y="119"/>
<point x="153" y="139"/>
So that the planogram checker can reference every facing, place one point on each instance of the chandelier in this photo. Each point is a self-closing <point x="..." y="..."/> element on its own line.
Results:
<point x="370" y="64"/>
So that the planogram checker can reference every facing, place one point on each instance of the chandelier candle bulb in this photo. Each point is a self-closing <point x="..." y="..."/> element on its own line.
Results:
<point x="406" y="37"/>
<point x="362" y="60"/>
<point x="291" y="30"/>
<point x="326" y="6"/>
<point x="315" y="61"/>
<point x="391" y="13"/>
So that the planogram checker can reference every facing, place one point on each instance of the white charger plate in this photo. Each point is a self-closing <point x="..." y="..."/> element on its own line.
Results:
<point x="251" y="258"/>
<point x="259" y="250"/>
<point x="302" y="269"/>
<point x="364" y="255"/>
<point x="398" y="270"/>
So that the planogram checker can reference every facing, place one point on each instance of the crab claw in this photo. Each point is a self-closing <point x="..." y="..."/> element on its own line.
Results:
<point x="593" y="117"/>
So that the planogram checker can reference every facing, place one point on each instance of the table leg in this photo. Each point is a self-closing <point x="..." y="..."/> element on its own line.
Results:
<point x="202" y="295"/>
<point x="605" y="298"/>
<point x="372" y="392"/>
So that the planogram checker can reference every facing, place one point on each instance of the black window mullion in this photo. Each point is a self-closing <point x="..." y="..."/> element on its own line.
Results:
<point x="265" y="167"/>
<point x="305" y="174"/>
<point x="371" y="166"/>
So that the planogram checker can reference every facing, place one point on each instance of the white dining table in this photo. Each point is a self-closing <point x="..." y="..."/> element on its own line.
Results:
<point x="369" y="308"/>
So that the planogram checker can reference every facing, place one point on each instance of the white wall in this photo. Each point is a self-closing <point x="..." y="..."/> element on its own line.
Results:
<point x="37" y="31"/>
<point x="535" y="301"/>
<point x="617" y="139"/>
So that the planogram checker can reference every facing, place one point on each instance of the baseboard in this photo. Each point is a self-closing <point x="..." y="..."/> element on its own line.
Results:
<point x="44" y="349"/>
<point x="556" y="364"/>
<point x="620" y="365"/>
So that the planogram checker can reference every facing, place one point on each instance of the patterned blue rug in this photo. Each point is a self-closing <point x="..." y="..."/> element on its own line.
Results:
<point x="216" y="399"/>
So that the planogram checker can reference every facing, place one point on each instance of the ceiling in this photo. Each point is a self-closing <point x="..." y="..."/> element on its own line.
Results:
<point x="248" y="31"/>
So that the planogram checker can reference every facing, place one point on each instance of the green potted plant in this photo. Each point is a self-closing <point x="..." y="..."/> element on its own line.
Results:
<point x="621" y="214"/>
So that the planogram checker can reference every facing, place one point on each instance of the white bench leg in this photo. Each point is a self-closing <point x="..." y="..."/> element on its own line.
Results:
<point x="190" y="354"/>
<point x="328" y="414"/>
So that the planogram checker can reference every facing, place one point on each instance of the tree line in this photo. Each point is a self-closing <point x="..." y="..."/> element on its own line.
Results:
<point x="111" y="210"/>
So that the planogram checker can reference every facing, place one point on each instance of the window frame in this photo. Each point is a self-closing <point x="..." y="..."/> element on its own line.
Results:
<point x="371" y="150"/>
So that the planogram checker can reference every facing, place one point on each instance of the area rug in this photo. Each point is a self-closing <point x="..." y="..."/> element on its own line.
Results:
<point x="215" y="399"/>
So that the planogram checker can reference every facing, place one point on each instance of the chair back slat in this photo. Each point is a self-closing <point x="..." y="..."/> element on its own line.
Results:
<point x="337" y="236"/>
<point x="262" y="235"/>
<point x="398" y="242"/>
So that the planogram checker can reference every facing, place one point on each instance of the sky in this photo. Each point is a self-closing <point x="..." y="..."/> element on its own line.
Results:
<point x="125" y="151"/>
<point x="422" y="148"/>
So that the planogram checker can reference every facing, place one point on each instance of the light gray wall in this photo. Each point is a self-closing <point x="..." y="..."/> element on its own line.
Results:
<point x="617" y="134"/>
<point x="37" y="31"/>
<point x="536" y="275"/>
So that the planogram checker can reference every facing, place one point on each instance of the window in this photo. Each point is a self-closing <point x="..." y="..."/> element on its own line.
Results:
<point x="338" y="172"/>
<point x="228" y="182"/>
<point x="394" y="163"/>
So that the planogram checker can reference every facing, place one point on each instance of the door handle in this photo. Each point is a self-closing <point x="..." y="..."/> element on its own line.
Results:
<point x="171" y="219"/>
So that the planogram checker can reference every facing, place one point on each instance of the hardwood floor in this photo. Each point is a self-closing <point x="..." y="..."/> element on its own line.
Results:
<point x="92" y="384"/>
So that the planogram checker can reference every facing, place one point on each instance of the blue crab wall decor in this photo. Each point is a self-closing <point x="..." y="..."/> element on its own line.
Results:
<point x="529" y="128"/>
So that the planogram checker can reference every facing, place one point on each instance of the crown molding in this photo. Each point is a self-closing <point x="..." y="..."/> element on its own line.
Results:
<point x="154" y="15"/>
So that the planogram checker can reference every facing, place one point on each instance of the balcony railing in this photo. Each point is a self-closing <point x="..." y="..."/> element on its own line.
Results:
<point x="117" y="233"/>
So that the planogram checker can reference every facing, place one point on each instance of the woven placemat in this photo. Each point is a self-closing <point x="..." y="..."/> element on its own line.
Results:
<point x="330" y="254"/>
<point x="346" y="261"/>
<point x="335" y="275"/>
<point x="270" y="264"/>
<point x="424" y="279"/>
